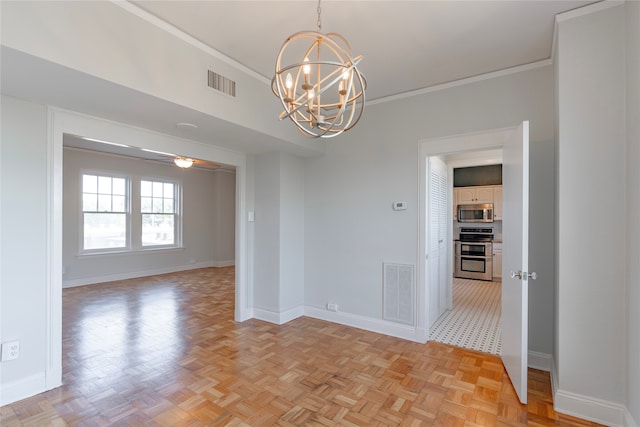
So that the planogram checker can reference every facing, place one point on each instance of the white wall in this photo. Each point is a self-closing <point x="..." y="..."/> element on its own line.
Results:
<point x="208" y="207"/>
<point x="591" y="163"/>
<point x="350" y="228"/>
<point x="633" y="207"/>
<point x="23" y="262"/>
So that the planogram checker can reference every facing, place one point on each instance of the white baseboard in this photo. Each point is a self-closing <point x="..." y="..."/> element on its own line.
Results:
<point x="588" y="408"/>
<point x="422" y="335"/>
<point x="135" y="274"/>
<point x="554" y="380"/>
<point x="229" y="263"/>
<point x="540" y="361"/>
<point x="368" y="324"/>
<point x="279" y="318"/>
<point x="26" y="387"/>
<point x="628" y="419"/>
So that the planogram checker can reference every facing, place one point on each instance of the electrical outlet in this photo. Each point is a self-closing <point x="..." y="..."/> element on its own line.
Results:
<point x="331" y="306"/>
<point x="10" y="350"/>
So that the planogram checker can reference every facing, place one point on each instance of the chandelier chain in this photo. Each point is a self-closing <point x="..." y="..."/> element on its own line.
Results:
<point x="319" y="23"/>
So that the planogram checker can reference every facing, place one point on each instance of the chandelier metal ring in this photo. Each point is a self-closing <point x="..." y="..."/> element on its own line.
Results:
<point x="308" y="66"/>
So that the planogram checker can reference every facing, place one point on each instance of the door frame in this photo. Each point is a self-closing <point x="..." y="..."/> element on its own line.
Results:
<point x="474" y="141"/>
<point x="62" y="122"/>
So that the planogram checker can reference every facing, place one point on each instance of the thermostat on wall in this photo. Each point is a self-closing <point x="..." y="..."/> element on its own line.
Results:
<point x="399" y="206"/>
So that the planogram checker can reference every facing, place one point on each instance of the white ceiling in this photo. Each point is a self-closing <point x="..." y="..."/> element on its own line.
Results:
<point x="407" y="45"/>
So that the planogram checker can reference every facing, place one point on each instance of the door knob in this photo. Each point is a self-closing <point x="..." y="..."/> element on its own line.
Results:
<point x="523" y="275"/>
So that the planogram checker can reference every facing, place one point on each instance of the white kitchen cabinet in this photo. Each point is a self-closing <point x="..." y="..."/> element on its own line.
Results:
<point x="482" y="194"/>
<point x="497" y="261"/>
<point x="497" y="202"/>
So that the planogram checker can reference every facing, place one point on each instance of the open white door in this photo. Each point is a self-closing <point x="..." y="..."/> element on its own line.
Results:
<point x="515" y="260"/>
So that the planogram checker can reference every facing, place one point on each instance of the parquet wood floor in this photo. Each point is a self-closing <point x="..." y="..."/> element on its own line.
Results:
<point x="165" y="351"/>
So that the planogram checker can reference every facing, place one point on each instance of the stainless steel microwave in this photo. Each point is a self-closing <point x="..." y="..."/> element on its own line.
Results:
<point x="475" y="213"/>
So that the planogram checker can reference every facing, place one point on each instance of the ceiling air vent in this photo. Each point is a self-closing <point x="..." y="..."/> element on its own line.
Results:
<point x="222" y="84"/>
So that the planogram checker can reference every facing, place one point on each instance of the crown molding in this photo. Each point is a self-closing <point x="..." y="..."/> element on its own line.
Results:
<point x="578" y="12"/>
<point x="462" y="82"/>
<point x="589" y="9"/>
<point x="581" y="11"/>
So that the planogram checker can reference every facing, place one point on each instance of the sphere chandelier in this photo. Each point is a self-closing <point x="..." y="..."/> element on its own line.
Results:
<point x="318" y="83"/>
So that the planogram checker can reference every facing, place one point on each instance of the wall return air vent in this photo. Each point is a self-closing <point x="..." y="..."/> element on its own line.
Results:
<point x="221" y="83"/>
<point x="399" y="293"/>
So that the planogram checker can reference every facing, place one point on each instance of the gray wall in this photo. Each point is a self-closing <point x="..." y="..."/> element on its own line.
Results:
<point x="633" y="204"/>
<point x="224" y="211"/>
<point x="591" y="157"/>
<point x="23" y="270"/>
<point x="350" y="228"/>
<point x="266" y="292"/>
<point x="279" y="237"/>
<point x="208" y="207"/>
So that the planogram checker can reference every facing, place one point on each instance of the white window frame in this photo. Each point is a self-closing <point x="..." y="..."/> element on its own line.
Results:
<point x="127" y="212"/>
<point x="133" y="214"/>
<point x="177" y="214"/>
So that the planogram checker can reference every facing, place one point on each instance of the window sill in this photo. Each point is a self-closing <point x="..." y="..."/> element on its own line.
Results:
<point x="129" y="252"/>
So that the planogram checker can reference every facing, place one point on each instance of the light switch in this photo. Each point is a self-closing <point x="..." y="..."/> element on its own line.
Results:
<point x="251" y="217"/>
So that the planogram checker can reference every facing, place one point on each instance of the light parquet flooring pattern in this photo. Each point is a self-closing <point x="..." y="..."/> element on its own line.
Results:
<point x="165" y="351"/>
<point x="474" y="321"/>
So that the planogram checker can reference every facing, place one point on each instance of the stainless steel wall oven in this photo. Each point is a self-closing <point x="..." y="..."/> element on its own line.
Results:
<point x="474" y="254"/>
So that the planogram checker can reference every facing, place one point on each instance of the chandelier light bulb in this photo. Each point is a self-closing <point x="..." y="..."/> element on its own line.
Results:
<point x="306" y="68"/>
<point x="289" y="89"/>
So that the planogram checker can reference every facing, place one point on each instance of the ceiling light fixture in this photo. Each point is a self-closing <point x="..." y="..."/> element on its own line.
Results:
<point x="306" y="73"/>
<point x="183" y="162"/>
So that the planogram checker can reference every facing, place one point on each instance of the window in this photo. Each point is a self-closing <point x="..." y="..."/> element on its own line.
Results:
<point x="122" y="213"/>
<point x="104" y="207"/>
<point x="158" y="209"/>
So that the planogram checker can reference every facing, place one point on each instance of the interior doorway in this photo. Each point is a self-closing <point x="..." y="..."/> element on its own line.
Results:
<point x="476" y="324"/>
<point x="64" y="122"/>
<point x="472" y="317"/>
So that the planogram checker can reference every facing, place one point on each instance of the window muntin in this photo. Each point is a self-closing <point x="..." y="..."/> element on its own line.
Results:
<point x="104" y="208"/>
<point x="158" y="211"/>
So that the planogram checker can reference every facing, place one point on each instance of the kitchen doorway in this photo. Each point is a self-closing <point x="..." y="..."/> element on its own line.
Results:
<point x="473" y="316"/>
<point x="477" y="310"/>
